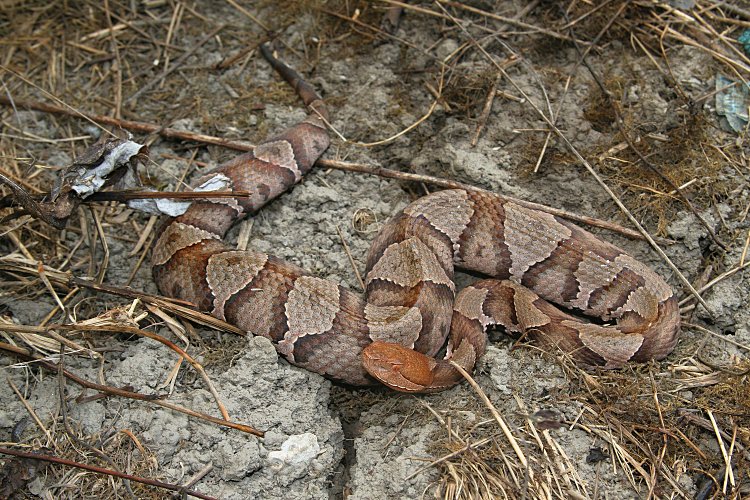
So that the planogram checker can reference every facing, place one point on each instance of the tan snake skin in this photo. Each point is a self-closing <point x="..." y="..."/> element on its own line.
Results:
<point x="394" y="332"/>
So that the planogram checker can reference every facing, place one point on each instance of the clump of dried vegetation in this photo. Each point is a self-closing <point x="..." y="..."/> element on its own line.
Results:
<point x="656" y="424"/>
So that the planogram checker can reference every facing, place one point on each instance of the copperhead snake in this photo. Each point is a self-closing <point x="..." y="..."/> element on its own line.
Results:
<point x="394" y="332"/>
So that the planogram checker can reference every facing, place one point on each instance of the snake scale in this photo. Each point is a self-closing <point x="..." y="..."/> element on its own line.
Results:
<point x="410" y="305"/>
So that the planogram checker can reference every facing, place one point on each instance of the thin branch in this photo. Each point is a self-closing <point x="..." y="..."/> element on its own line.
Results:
<point x="171" y="133"/>
<point x="101" y="470"/>
<point x="123" y="196"/>
<point x="114" y="391"/>
<point x="176" y="64"/>
<point x="143" y="127"/>
<point x="496" y="17"/>
<point x="498" y="418"/>
<point x="449" y="184"/>
<point x="173" y="305"/>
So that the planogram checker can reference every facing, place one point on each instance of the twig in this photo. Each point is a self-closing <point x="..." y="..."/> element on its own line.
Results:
<point x="69" y="429"/>
<point x="485" y="112"/>
<point x="143" y="127"/>
<point x="452" y="434"/>
<point x="123" y="196"/>
<point x="100" y="470"/>
<point x="198" y="475"/>
<point x="131" y="330"/>
<point x="704" y="423"/>
<point x="657" y="464"/>
<point x="611" y="440"/>
<point x="449" y="184"/>
<point x="735" y="9"/>
<point x="407" y="129"/>
<point x="553" y="115"/>
<point x="104" y="263"/>
<point x="379" y="31"/>
<point x="467" y="447"/>
<point x="174" y="23"/>
<point x="181" y="352"/>
<point x="506" y="430"/>
<point x="65" y="108"/>
<point x="443" y="103"/>
<point x="724" y="338"/>
<point x="181" y="307"/>
<point x="507" y="20"/>
<point x="173" y="305"/>
<point x="22" y="197"/>
<point x="176" y="64"/>
<point x="327" y="163"/>
<point x="114" y="391"/>
<point x="716" y="280"/>
<point x="47" y="284"/>
<point x="229" y="62"/>
<point x="31" y="411"/>
<point x="724" y="454"/>
<point x="398" y="430"/>
<point x="733" y="63"/>
<point x="351" y="259"/>
<point x="117" y="66"/>
<point x="248" y="14"/>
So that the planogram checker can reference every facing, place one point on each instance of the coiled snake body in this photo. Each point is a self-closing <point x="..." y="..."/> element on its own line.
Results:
<point x="394" y="332"/>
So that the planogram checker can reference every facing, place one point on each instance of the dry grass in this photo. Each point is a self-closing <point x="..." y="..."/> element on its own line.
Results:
<point x="655" y="428"/>
<point x="655" y="424"/>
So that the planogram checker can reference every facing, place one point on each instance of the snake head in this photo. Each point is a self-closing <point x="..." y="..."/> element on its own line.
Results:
<point x="399" y="367"/>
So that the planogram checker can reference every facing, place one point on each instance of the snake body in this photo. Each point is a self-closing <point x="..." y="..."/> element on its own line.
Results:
<point x="394" y="332"/>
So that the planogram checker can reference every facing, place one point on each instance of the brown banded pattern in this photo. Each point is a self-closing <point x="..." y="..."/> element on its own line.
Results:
<point x="392" y="333"/>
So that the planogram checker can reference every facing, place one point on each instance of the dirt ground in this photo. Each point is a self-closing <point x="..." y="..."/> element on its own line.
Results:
<point x="679" y="428"/>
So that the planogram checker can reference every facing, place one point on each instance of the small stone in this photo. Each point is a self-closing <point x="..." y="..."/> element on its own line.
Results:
<point x="297" y="452"/>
